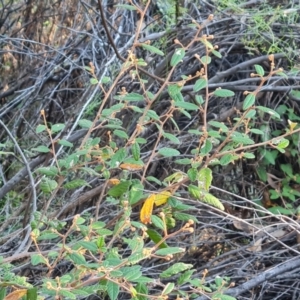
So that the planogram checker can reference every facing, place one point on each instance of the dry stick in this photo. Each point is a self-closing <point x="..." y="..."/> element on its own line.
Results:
<point x="289" y="265"/>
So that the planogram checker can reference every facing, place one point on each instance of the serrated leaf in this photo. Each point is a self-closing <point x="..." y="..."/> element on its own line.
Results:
<point x="175" y="269"/>
<point x="174" y="91"/>
<point x="136" y="151"/>
<point x="192" y="174"/>
<point x="162" y="197"/>
<point x="194" y="191"/>
<point x="213" y="201"/>
<point x="168" y="152"/>
<point x="47" y="185"/>
<point x="227" y="159"/>
<point x="42" y="149"/>
<point x="83" y="123"/>
<point x="57" y="127"/>
<point x="153" y="179"/>
<point x="77" y="258"/>
<point x="242" y="139"/>
<point x="66" y="294"/>
<point x="259" y="70"/>
<point x="249" y="101"/>
<point x="156" y="238"/>
<point x="73" y="184"/>
<point x="283" y="144"/>
<point x="38" y="259"/>
<point x="133" y="97"/>
<point x="205" y="178"/>
<point x="31" y="294"/>
<point x="200" y="84"/>
<point x="223" y="93"/>
<point x="131" y="167"/>
<point x="40" y="128"/>
<point x="49" y="171"/>
<point x="206" y="147"/>
<point x="269" y="111"/>
<point x="65" y="143"/>
<point x="169" y="250"/>
<point x="157" y="222"/>
<point x="120" y="189"/>
<point x="152" y="49"/>
<point x="186" y="105"/>
<point x="177" y="56"/>
<point x="135" y="193"/>
<point x="16" y="295"/>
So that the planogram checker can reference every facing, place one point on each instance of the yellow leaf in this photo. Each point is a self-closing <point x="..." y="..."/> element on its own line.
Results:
<point x="16" y="295"/>
<point x="114" y="181"/>
<point x="292" y="125"/>
<point x="131" y="167"/>
<point x="162" y="198"/>
<point x="146" y="211"/>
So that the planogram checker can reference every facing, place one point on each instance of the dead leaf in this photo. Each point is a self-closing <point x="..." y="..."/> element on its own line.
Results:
<point x="16" y="295"/>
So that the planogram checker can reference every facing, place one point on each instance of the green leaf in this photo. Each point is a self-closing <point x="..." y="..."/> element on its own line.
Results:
<point x="186" y="105"/>
<point x="31" y="294"/>
<point x="205" y="59"/>
<point x="40" y="128"/>
<point x="175" y="269"/>
<point x="168" y="152"/>
<point x="65" y="143"/>
<point x="169" y="250"/>
<point x="47" y="185"/>
<point x="153" y="179"/>
<point x="157" y="222"/>
<point x="192" y="174"/>
<point x="200" y="84"/>
<point x="206" y="147"/>
<point x="42" y="149"/>
<point x="57" y="127"/>
<point x="177" y="56"/>
<point x="120" y="133"/>
<point x="91" y="246"/>
<point x="119" y="189"/>
<point x="135" y="193"/>
<point x="283" y="144"/>
<point x="259" y="70"/>
<point x="133" y="97"/>
<point x="73" y="184"/>
<point x="205" y="178"/>
<point x="269" y="111"/>
<point x="256" y="131"/>
<point x="152" y="49"/>
<point x="278" y="210"/>
<point x="118" y="158"/>
<point x="49" y="171"/>
<point x="136" y="150"/>
<point x="249" y="101"/>
<point x="248" y="155"/>
<point x="94" y="81"/>
<point x="126" y="6"/>
<point x="156" y="238"/>
<point x="38" y="259"/>
<point x="216" y="53"/>
<point x="223" y="93"/>
<point x="142" y="289"/>
<point x="219" y="296"/>
<point x="185" y="277"/>
<point x="83" y="123"/>
<point x="213" y="201"/>
<point x="168" y="288"/>
<point x="153" y="115"/>
<point x="194" y="191"/>
<point x="171" y="137"/>
<point x="220" y="125"/>
<point x="227" y="159"/>
<point x="174" y="90"/>
<point x="77" y="258"/>
<point x="241" y="138"/>
<point x="183" y="161"/>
